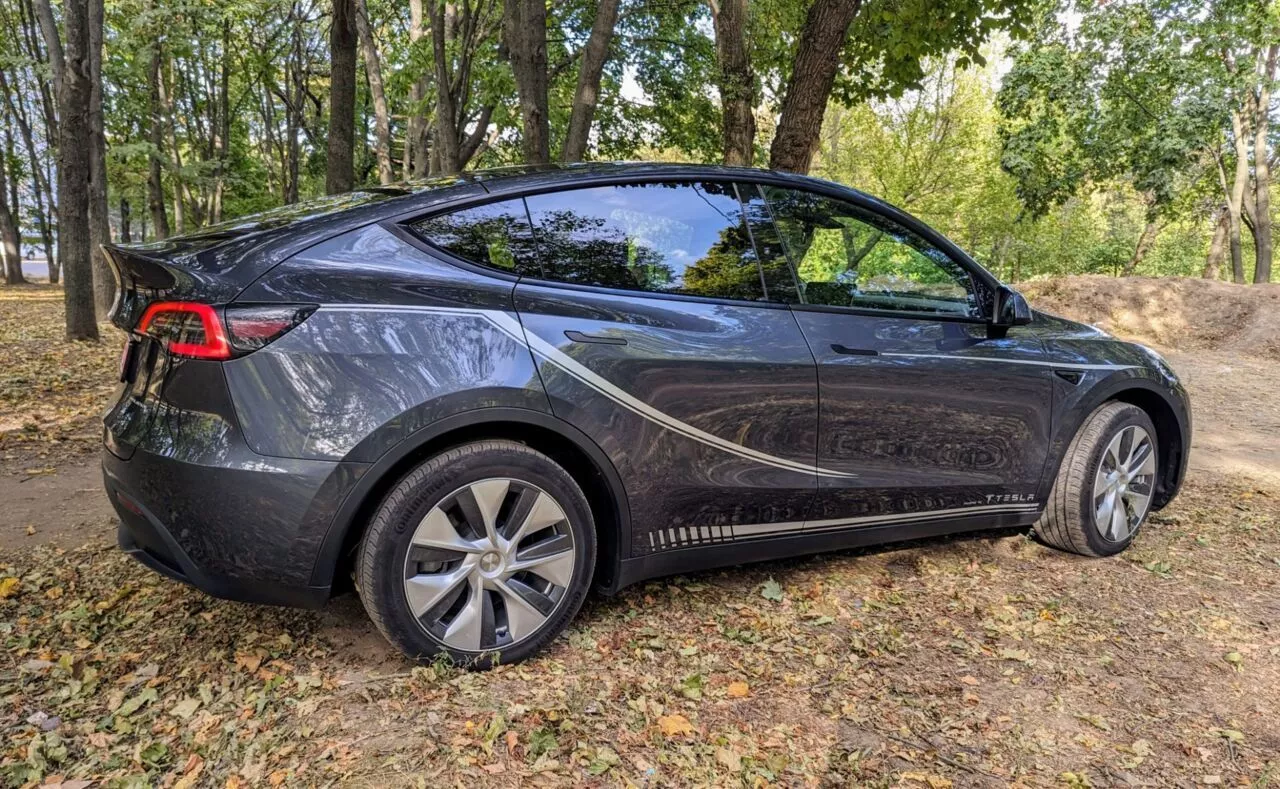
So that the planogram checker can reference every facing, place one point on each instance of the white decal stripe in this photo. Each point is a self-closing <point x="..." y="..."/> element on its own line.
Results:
<point x="1036" y="363"/>
<point x="764" y="529"/>
<point x="510" y="326"/>
<point x="575" y="368"/>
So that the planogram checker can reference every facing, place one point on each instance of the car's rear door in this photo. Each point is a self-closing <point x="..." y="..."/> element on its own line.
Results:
<point x="654" y="335"/>
<point x="928" y="416"/>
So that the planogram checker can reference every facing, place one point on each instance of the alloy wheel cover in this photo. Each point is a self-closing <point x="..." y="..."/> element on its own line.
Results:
<point x="489" y="565"/>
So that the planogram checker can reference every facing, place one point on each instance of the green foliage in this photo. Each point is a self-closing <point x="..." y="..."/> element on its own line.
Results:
<point x="936" y="152"/>
<point x="1109" y="99"/>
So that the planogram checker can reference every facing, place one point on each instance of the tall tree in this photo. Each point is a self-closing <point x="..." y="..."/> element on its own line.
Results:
<point x="417" y="155"/>
<point x="736" y="81"/>
<point x="340" y="170"/>
<point x="74" y="171"/>
<point x="525" y="36"/>
<point x="104" y="286"/>
<point x="155" y="155"/>
<point x="10" y="240"/>
<point x="460" y="33"/>
<point x="813" y="75"/>
<point x="381" y="111"/>
<point x="586" y="95"/>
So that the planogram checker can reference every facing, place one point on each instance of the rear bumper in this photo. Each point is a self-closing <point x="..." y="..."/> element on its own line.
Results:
<point x="250" y="534"/>
<point x="142" y="536"/>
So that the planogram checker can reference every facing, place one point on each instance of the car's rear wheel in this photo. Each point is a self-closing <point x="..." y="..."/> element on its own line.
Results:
<point x="1104" y="486"/>
<point x="482" y="553"/>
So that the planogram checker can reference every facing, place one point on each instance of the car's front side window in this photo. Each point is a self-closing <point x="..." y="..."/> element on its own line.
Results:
<point x="686" y="238"/>
<point x="494" y="234"/>
<point x="846" y="256"/>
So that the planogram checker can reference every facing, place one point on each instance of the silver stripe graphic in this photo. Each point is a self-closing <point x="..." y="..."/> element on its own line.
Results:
<point x="510" y="326"/>
<point x="1059" y="365"/>
<point x="761" y="529"/>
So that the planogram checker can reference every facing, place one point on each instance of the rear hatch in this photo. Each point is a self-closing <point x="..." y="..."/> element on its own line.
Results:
<point x="200" y="274"/>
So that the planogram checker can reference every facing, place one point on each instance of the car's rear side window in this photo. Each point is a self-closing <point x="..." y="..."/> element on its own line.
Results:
<point x="494" y="234"/>
<point x="686" y="238"/>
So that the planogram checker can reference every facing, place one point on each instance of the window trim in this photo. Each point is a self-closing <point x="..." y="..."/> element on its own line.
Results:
<point x="975" y="282"/>
<point x="398" y="226"/>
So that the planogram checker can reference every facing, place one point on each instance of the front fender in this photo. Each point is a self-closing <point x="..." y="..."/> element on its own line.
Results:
<point x="1150" y="385"/>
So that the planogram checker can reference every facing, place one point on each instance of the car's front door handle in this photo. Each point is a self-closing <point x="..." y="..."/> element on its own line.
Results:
<point x="578" y="336"/>
<point x="838" y="348"/>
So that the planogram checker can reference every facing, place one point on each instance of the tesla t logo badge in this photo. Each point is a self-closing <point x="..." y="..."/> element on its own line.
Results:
<point x="1000" y="498"/>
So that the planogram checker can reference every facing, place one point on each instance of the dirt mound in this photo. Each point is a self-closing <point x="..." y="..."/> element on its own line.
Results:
<point x="1176" y="313"/>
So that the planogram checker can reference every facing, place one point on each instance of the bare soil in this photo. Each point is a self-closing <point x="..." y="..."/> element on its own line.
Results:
<point x="984" y="660"/>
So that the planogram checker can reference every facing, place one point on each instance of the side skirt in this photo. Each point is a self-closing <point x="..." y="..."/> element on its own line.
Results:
<point x="709" y="557"/>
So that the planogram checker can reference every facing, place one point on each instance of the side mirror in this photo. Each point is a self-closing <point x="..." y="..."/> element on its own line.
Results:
<point x="1011" y="308"/>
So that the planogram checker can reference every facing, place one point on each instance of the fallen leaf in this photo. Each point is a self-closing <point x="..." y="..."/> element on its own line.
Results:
<point x="8" y="587"/>
<point x="731" y="760"/>
<point x="771" y="590"/>
<point x="675" y="725"/>
<point x="185" y="708"/>
<point x="738" y="690"/>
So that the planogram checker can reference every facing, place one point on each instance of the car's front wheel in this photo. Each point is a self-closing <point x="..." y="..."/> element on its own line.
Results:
<point x="1103" y="490"/>
<point x="484" y="553"/>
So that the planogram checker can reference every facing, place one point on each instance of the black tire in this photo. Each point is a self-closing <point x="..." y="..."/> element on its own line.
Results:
<point x="1068" y="521"/>
<point x="381" y="561"/>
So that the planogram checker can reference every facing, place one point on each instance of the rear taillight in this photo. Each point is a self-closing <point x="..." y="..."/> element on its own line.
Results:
<point x="201" y="331"/>
<point x="251" y="327"/>
<point x="187" y="328"/>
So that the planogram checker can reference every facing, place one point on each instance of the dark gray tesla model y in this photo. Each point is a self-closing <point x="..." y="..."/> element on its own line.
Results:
<point x="479" y="397"/>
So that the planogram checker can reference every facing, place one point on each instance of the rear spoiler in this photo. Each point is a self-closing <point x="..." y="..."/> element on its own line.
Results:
<point x="139" y="280"/>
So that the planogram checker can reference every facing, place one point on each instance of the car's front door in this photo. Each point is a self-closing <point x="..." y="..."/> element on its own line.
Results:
<point x="652" y="330"/>
<point x="926" y="415"/>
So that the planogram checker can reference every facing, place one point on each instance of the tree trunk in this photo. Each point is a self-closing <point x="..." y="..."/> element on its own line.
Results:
<point x="587" y="94"/>
<point x="73" y="173"/>
<point x="126" y="233"/>
<point x="224" y="126"/>
<point x="155" y="182"/>
<point x="446" y="136"/>
<point x="41" y="190"/>
<point x="417" y="149"/>
<point x="104" y="283"/>
<point x="381" y="115"/>
<point x="813" y="73"/>
<point x="10" y="240"/>
<point x="737" y="81"/>
<point x="49" y="29"/>
<point x="1145" y="242"/>
<point x="340" y="167"/>
<point x="525" y="34"/>
<point x="1235" y="198"/>
<point x="1262" y="173"/>
<point x="1213" y="261"/>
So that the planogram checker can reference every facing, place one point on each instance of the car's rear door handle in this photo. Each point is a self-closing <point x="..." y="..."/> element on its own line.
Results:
<point x="838" y="348"/>
<point x="578" y="336"/>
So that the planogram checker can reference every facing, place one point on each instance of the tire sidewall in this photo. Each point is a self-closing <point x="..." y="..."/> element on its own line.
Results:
<point x="423" y="489"/>
<point x="1131" y="416"/>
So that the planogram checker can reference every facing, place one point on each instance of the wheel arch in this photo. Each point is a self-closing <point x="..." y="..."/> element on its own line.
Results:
<point x="1169" y="415"/>
<point x="568" y="446"/>
<point x="1169" y="439"/>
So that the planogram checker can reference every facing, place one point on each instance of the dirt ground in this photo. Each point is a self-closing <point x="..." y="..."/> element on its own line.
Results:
<point x="984" y="660"/>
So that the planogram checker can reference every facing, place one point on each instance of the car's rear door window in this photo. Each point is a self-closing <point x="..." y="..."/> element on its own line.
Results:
<point x="684" y="238"/>
<point x="847" y="256"/>
<point x="496" y="235"/>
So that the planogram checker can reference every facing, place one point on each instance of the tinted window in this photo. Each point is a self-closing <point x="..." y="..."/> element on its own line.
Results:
<point x="495" y="234"/>
<point x="848" y="257"/>
<point x="779" y="279"/>
<point x="665" y="238"/>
